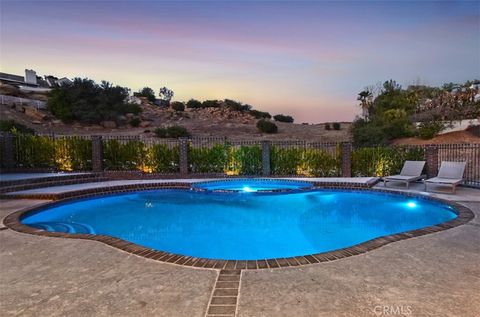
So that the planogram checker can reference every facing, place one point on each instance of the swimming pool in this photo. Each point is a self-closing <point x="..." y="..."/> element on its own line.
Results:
<point x="243" y="225"/>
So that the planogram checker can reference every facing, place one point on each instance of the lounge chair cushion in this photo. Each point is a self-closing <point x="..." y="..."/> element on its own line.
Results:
<point x="442" y="180"/>
<point x="402" y="177"/>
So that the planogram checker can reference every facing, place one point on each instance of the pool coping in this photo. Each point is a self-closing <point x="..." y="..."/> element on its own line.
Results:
<point x="13" y="221"/>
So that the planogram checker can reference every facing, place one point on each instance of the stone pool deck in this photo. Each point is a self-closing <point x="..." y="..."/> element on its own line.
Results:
<point x="432" y="275"/>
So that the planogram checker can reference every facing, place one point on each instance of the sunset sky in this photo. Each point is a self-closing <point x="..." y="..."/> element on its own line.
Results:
<point x="307" y="59"/>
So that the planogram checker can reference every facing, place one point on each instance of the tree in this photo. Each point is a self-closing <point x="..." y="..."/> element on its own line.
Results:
<point x="366" y="103"/>
<point x="166" y="94"/>
<point x="86" y="101"/>
<point x="148" y="93"/>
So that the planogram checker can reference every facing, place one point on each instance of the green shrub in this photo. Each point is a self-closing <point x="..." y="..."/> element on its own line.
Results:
<point x="177" y="106"/>
<point x="192" y="103"/>
<point x="148" y="93"/>
<point x="244" y="160"/>
<point x="383" y="161"/>
<point x="63" y="153"/>
<point x="160" y="158"/>
<point x="304" y="162"/>
<point x="124" y="156"/>
<point x="327" y="126"/>
<point x="283" y="118"/>
<point x="430" y="129"/>
<point x="89" y="102"/>
<point x="260" y="114"/>
<point x="208" y="159"/>
<point x="237" y="106"/>
<point x="175" y="131"/>
<point x="267" y="126"/>
<point x="336" y="126"/>
<point x="135" y="122"/>
<point x="12" y="126"/>
<point x="160" y="132"/>
<point x="210" y="104"/>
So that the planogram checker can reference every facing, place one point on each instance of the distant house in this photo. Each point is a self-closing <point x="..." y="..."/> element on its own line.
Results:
<point x="31" y="80"/>
<point x="162" y="103"/>
<point x="134" y="99"/>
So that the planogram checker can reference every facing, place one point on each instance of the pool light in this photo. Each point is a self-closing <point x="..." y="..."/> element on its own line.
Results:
<point x="411" y="204"/>
<point x="247" y="189"/>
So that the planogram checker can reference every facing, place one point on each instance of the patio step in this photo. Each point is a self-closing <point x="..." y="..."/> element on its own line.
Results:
<point x="42" y="182"/>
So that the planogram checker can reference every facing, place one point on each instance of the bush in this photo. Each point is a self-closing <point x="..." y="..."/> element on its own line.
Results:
<point x="210" y="104"/>
<point x="177" y="106"/>
<point x="430" y="129"/>
<point x="135" y="122"/>
<point x="283" y="118"/>
<point x="383" y="161"/>
<point x="327" y="126"/>
<point x="175" y="131"/>
<point x="260" y="114"/>
<point x="267" y="126"/>
<point x="336" y="126"/>
<point x="237" y="106"/>
<point x="63" y="153"/>
<point x="148" y="93"/>
<point x="12" y="126"/>
<point x="306" y="162"/>
<point x="86" y="101"/>
<point x="192" y="103"/>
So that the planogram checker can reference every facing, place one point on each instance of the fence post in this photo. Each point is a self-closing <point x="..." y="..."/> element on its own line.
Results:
<point x="183" y="150"/>
<point x="8" y="150"/>
<point x="266" y="158"/>
<point x="97" y="153"/>
<point x="431" y="156"/>
<point x="346" y="159"/>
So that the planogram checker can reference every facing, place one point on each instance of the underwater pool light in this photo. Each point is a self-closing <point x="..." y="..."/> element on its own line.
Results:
<point x="411" y="204"/>
<point x="247" y="189"/>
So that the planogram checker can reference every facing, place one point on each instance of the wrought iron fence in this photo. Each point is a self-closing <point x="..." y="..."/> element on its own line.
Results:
<point x="227" y="157"/>
<point x="469" y="153"/>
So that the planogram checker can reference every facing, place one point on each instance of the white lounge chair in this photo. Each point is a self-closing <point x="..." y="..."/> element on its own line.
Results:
<point x="411" y="171"/>
<point x="450" y="173"/>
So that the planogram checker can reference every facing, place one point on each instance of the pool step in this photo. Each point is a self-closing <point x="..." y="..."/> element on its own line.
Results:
<point x="41" y="182"/>
<point x="70" y="227"/>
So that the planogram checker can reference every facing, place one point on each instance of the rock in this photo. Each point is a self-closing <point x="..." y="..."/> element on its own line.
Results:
<point x="109" y="124"/>
<point x="129" y="115"/>
<point x="144" y="124"/>
<point x="34" y="113"/>
<point x="122" y="120"/>
<point x="57" y="121"/>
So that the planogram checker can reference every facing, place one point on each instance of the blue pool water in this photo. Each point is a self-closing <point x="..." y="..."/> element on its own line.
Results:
<point x="244" y="225"/>
<point x="252" y="185"/>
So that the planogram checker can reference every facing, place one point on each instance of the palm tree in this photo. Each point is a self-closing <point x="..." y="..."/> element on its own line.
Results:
<point x="365" y="97"/>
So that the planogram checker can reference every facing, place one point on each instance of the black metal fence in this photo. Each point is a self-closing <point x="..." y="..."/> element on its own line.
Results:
<point x="221" y="156"/>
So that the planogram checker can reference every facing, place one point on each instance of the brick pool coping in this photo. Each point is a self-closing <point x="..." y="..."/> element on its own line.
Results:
<point x="12" y="221"/>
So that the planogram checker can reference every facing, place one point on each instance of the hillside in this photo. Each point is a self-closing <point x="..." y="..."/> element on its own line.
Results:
<point x="204" y="122"/>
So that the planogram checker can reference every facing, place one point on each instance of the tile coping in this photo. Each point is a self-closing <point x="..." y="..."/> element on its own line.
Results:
<point x="12" y="221"/>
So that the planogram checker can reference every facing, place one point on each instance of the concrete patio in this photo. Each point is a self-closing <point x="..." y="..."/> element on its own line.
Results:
<point x="432" y="275"/>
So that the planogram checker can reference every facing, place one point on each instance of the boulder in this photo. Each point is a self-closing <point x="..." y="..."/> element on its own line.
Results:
<point x="34" y="114"/>
<point x="144" y="124"/>
<point x="109" y="124"/>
